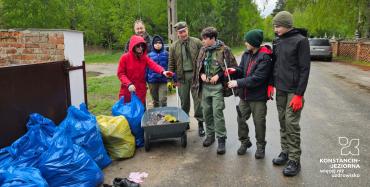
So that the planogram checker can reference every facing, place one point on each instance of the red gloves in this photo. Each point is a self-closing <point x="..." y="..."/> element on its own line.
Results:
<point x="296" y="103"/>
<point x="229" y="71"/>
<point x="270" y="92"/>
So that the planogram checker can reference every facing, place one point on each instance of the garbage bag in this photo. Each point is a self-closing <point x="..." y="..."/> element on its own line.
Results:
<point x="27" y="150"/>
<point x="117" y="137"/>
<point x="68" y="164"/>
<point x="85" y="133"/>
<point x="133" y="112"/>
<point x="22" y="176"/>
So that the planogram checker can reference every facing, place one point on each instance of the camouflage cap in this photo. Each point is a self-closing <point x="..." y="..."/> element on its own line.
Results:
<point x="180" y="26"/>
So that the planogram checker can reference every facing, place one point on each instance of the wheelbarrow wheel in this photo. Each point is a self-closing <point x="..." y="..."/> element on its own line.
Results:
<point x="146" y="141"/>
<point x="184" y="140"/>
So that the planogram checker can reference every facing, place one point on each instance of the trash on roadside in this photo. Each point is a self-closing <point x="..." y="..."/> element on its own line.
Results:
<point x="67" y="164"/>
<point x="85" y="133"/>
<point x="158" y="118"/>
<point x="117" y="137"/>
<point x="124" y="182"/>
<point x="137" y="177"/>
<point x="133" y="111"/>
<point x="22" y="176"/>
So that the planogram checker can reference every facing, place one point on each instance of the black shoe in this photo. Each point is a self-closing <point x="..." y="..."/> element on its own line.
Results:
<point x="201" y="131"/>
<point x="292" y="169"/>
<point x="221" y="146"/>
<point x="281" y="159"/>
<point x="208" y="141"/>
<point x="124" y="182"/>
<point x="243" y="147"/>
<point x="260" y="153"/>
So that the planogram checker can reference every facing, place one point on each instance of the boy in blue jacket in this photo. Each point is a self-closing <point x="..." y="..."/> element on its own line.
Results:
<point x="157" y="82"/>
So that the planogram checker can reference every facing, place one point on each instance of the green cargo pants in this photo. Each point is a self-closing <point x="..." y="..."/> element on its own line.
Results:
<point x="184" y="93"/>
<point x="290" y="137"/>
<point x="158" y="91"/>
<point x="213" y="110"/>
<point x="258" y="109"/>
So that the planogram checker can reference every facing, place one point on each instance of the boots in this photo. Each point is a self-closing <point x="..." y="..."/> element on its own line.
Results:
<point x="292" y="169"/>
<point x="221" y="146"/>
<point x="208" y="141"/>
<point x="260" y="153"/>
<point x="243" y="147"/>
<point x="281" y="159"/>
<point x="201" y="131"/>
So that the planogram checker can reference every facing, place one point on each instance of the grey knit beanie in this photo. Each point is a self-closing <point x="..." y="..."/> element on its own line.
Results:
<point x="283" y="18"/>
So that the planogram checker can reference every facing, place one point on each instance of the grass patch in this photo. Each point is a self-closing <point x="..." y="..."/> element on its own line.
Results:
<point x="102" y="93"/>
<point x="351" y="61"/>
<point x="103" y="57"/>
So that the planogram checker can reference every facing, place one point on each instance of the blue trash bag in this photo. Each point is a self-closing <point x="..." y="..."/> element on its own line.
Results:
<point x="85" y="133"/>
<point x="5" y="158"/>
<point x="27" y="150"/>
<point x="67" y="164"/>
<point x="22" y="176"/>
<point x="133" y="112"/>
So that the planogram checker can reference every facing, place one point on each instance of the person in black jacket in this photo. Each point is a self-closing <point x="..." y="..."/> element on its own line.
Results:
<point x="291" y="58"/>
<point x="253" y="74"/>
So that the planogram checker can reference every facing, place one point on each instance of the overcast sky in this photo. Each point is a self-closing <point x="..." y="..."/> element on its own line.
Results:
<point x="265" y="6"/>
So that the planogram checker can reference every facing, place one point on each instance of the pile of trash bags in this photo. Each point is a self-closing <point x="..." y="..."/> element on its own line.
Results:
<point x="76" y="151"/>
<point x="48" y="155"/>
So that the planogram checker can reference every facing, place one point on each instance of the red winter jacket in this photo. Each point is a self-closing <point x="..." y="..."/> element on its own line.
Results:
<point x="131" y="70"/>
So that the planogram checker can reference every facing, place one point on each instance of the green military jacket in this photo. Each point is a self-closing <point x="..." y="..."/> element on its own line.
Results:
<point x="175" y="58"/>
<point x="221" y="53"/>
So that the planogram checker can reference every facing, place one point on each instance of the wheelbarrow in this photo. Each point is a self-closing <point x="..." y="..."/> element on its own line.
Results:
<point x="153" y="132"/>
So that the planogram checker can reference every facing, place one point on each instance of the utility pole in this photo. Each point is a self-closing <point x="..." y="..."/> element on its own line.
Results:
<point x="172" y="20"/>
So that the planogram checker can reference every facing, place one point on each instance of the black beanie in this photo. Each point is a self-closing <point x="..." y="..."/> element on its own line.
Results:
<point x="254" y="37"/>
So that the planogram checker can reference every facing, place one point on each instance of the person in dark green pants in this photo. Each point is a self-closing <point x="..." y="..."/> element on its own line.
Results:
<point x="182" y="60"/>
<point x="209" y="82"/>
<point x="291" y="58"/>
<point x="253" y="76"/>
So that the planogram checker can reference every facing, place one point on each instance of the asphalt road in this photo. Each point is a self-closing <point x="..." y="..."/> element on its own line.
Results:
<point x="337" y="105"/>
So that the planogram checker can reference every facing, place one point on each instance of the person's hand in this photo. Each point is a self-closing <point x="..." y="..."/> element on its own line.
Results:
<point x="131" y="88"/>
<point x="296" y="103"/>
<point x="168" y="74"/>
<point x="204" y="77"/>
<point x="214" y="79"/>
<point x="270" y="92"/>
<point x="229" y="71"/>
<point x="232" y="84"/>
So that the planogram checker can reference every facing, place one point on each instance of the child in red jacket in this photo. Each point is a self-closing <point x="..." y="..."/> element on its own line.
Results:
<point x="132" y="68"/>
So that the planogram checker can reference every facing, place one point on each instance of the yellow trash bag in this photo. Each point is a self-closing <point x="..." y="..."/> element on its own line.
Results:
<point x="117" y="137"/>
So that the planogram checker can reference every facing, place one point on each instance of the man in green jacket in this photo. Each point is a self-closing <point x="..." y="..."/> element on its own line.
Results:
<point x="182" y="60"/>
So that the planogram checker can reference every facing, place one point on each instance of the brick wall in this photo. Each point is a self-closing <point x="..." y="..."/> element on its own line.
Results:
<point x="30" y="46"/>
<point x="355" y="50"/>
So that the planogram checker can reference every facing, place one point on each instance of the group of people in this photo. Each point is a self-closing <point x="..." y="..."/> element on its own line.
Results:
<point x="208" y="71"/>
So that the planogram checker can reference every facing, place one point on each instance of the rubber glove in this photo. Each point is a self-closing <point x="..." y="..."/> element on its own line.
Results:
<point x="270" y="92"/>
<point x="296" y="103"/>
<point x="229" y="71"/>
